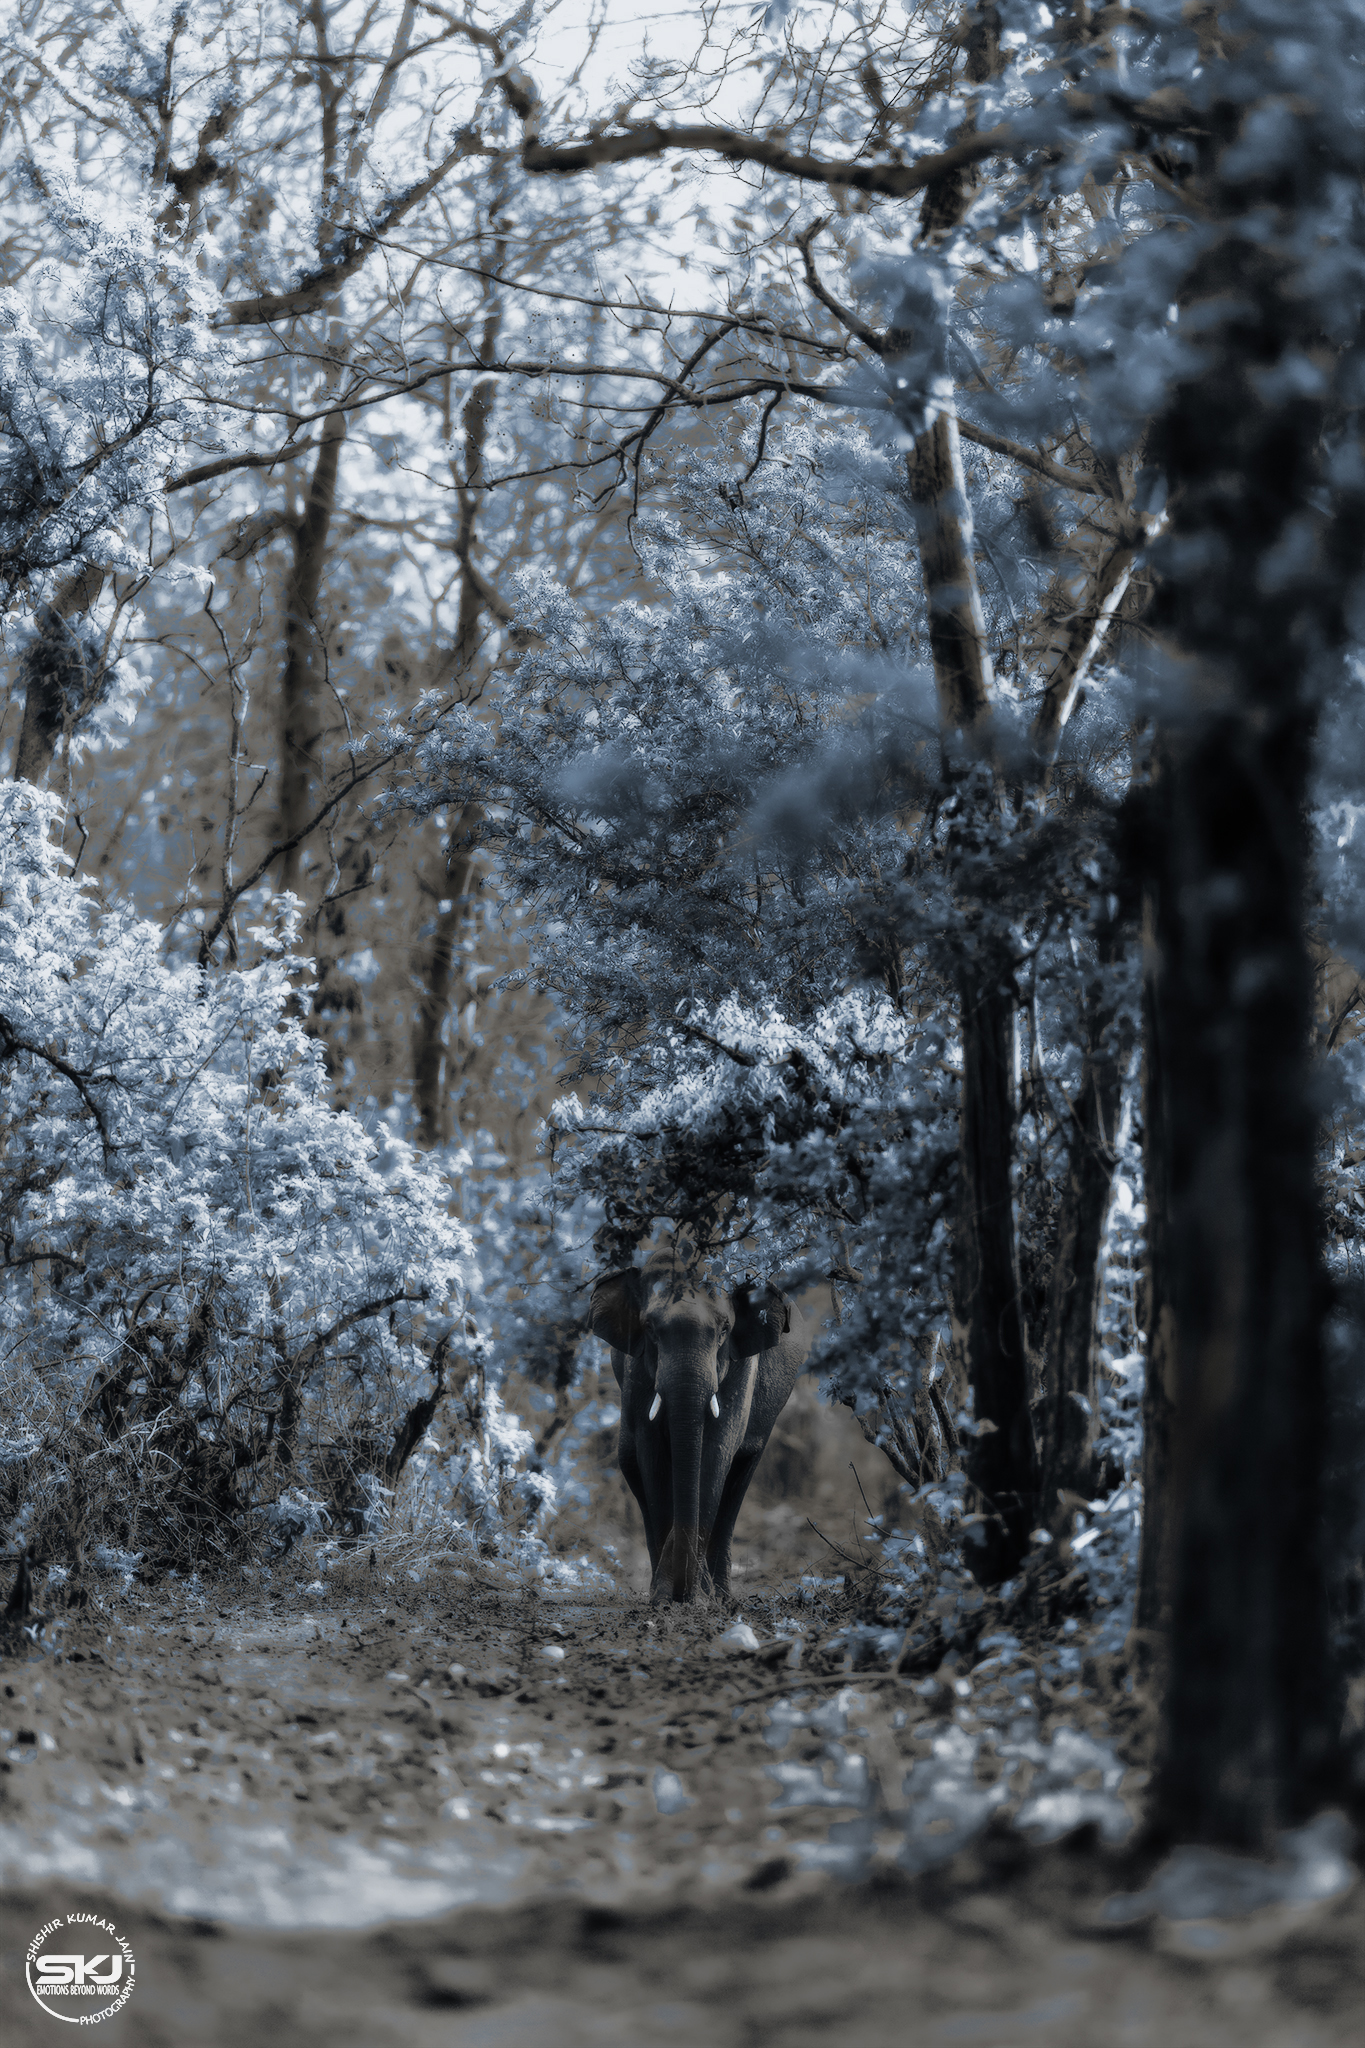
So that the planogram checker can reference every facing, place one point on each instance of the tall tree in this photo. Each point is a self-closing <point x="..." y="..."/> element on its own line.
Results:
<point x="1246" y="439"/>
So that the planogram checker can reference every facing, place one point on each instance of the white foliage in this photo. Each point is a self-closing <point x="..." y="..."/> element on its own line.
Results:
<point x="103" y="357"/>
<point x="491" y="1459"/>
<point x="203" y="1263"/>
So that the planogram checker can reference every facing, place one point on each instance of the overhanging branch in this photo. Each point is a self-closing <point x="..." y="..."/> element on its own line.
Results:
<point x="735" y="145"/>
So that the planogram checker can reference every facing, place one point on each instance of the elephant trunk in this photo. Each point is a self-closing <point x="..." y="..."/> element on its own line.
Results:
<point x="686" y="1427"/>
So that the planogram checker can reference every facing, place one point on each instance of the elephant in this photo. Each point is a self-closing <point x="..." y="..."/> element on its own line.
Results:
<point x="704" y="1375"/>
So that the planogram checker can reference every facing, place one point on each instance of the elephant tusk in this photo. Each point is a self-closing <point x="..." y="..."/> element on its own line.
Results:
<point x="715" y="1407"/>
<point x="658" y="1404"/>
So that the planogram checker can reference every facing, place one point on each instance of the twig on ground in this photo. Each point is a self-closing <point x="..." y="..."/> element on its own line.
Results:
<point x="856" y="1562"/>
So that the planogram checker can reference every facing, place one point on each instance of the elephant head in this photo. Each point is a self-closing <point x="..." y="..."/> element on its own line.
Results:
<point x="689" y="1353"/>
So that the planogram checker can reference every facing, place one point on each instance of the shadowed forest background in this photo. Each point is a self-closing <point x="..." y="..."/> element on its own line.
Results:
<point x="743" y="625"/>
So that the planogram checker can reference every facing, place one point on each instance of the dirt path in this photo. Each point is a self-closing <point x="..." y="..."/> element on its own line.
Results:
<point x="602" y="1825"/>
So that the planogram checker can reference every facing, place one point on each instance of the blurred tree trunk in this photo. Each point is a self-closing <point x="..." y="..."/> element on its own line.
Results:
<point x="1238" y="1288"/>
<point x="429" y="1064"/>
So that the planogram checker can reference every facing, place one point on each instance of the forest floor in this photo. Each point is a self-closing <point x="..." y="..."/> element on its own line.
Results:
<point x="471" y="1816"/>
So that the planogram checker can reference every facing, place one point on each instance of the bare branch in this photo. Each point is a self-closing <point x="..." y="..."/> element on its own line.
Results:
<point x="741" y="1059"/>
<point x="366" y="1311"/>
<point x="316" y="286"/>
<point x="735" y="145"/>
<point x="12" y="1041"/>
<point x="1083" y="643"/>
<point x="843" y="314"/>
<point x="1029" y="458"/>
<point x="1069" y="479"/>
<point x="226" y="464"/>
<point x="213" y="932"/>
<point x="769" y="409"/>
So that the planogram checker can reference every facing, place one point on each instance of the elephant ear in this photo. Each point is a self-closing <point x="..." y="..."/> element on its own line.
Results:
<point x="759" y="1325"/>
<point x="615" y="1311"/>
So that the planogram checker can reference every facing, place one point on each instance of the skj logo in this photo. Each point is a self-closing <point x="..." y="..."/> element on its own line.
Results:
<point x="80" y="1969"/>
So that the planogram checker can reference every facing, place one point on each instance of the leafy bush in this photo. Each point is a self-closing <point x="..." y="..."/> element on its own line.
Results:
<point x="222" y="1304"/>
<point x="101" y="359"/>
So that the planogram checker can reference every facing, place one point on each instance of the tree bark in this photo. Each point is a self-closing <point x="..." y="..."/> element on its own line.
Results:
<point x="1239" y="1292"/>
<point x="429" y="1064"/>
<point x="988" y="1332"/>
<point x="299" y="729"/>
<point x="1077" y="654"/>
<point x="988" y="1329"/>
<point x="1240" y="1280"/>
<point x="1070" y="1403"/>
<point x="957" y="621"/>
<point x="47" y="697"/>
<point x="429" y="1077"/>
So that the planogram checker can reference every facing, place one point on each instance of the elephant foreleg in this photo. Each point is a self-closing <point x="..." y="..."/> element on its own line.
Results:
<point x="661" y="1581"/>
<point x="656" y="1528"/>
<point x="723" y="1528"/>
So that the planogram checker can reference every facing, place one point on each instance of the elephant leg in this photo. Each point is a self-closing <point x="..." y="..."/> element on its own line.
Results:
<point x="661" y="1581"/>
<point x="649" y="1495"/>
<point x="723" y="1528"/>
<point x="661" y="1584"/>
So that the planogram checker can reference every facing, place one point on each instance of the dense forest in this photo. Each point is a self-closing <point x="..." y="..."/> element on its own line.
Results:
<point x="744" y="625"/>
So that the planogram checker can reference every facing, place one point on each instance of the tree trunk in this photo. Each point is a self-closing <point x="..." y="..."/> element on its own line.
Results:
<point x="1069" y="1386"/>
<point x="299" y="728"/>
<point x="987" y="1322"/>
<point x="1239" y="1292"/>
<point x="429" y="1064"/>
<point x="957" y="622"/>
<point x="1081" y="645"/>
<point x="988" y="1328"/>
<point x="56" y="683"/>
<point x="418" y="1420"/>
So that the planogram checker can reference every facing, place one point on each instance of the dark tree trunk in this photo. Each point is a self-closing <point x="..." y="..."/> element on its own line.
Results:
<point x="1239" y="1287"/>
<point x="1251" y="591"/>
<point x="44" y="706"/>
<point x="58" y="684"/>
<point x="988" y="1323"/>
<point x="987" y="1317"/>
<point x="417" y="1421"/>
